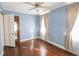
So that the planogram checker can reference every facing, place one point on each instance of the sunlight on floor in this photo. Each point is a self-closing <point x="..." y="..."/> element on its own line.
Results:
<point x="31" y="44"/>
<point x="42" y="51"/>
<point x="32" y="38"/>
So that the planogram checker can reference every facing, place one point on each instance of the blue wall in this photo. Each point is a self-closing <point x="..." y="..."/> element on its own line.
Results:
<point x="57" y="26"/>
<point x="28" y="23"/>
<point x="27" y="26"/>
<point x="38" y="26"/>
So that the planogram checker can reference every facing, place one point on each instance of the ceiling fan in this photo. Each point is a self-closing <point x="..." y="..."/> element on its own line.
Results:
<point x="37" y="5"/>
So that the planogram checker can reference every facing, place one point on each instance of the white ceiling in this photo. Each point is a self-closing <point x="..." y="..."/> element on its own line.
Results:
<point x="24" y="7"/>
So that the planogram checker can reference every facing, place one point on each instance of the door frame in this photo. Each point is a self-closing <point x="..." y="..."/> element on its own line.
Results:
<point x="16" y="19"/>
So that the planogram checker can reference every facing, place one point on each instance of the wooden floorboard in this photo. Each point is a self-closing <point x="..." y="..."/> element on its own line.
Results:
<point x="35" y="47"/>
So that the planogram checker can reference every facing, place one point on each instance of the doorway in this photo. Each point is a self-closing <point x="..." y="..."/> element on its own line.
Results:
<point x="11" y="30"/>
<point x="17" y="30"/>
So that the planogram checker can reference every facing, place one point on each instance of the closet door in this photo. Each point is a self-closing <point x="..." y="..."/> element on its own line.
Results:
<point x="9" y="30"/>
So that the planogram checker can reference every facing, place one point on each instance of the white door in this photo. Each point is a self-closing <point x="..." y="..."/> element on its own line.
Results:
<point x="9" y="30"/>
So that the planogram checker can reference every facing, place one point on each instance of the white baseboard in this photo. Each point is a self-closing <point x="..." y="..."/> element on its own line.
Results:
<point x="62" y="47"/>
<point x="22" y="40"/>
<point x="28" y="39"/>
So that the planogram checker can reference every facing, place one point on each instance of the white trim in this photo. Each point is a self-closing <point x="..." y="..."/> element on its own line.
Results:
<point x="58" y="6"/>
<point x="22" y="40"/>
<point x="61" y="47"/>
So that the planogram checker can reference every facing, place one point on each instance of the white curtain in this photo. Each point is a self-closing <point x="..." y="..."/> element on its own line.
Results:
<point x="72" y="12"/>
<point x="75" y="35"/>
<point x="44" y="26"/>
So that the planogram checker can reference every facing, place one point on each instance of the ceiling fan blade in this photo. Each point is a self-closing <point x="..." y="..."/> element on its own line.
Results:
<point x="31" y="8"/>
<point x="29" y="3"/>
<point x="39" y="3"/>
<point x="44" y="7"/>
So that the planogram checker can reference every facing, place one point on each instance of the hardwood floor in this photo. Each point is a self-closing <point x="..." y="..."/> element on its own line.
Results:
<point x="35" y="47"/>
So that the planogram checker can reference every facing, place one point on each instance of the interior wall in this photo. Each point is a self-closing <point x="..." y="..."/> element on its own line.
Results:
<point x="0" y="39"/>
<point x="28" y="25"/>
<point x="1" y="34"/>
<point x="37" y="26"/>
<point x="57" y="26"/>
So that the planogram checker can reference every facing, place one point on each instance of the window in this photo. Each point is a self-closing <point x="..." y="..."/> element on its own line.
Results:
<point x="75" y="35"/>
<point x="43" y="30"/>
